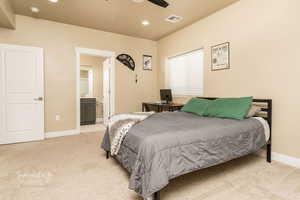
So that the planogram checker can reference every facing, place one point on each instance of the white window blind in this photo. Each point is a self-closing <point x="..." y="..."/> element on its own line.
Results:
<point x="185" y="73"/>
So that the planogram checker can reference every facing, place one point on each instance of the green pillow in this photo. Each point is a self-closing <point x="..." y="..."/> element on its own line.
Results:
<point x="196" y="106"/>
<point x="234" y="108"/>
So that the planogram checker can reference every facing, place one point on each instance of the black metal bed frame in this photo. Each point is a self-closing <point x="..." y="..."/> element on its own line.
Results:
<point x="266" y="110"/>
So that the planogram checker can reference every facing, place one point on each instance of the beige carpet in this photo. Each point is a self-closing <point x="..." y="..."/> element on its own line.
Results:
<point x="75" y="168"/>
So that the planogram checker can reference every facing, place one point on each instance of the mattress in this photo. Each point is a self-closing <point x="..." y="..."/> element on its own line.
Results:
<point x="170" y="144"/>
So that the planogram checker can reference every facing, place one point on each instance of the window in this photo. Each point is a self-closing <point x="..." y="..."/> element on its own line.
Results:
<point x="185" y="73"/>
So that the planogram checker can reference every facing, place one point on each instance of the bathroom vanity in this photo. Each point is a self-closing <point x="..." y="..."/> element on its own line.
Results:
<point x="87" y="111"/>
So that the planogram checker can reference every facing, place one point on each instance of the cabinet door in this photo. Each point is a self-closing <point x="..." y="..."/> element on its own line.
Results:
<point x="82" y="113"/>
<point x="91" y="112"/>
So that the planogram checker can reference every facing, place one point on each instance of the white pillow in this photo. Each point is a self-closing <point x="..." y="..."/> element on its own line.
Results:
<point x="253" y="111"/>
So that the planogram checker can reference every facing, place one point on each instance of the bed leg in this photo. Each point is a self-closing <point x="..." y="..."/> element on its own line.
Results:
<point x="157" y="196"/>
<point x="269" y="153"/>
<point x="107" y="154"/>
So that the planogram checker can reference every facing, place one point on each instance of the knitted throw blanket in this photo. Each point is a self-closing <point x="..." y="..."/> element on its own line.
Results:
<point x="119" y="125"/>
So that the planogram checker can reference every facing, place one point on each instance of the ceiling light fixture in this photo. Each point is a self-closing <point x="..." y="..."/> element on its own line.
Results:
<point x="35" y="9"/>
<point x="53" y="1"/>
<point x="145" y="22"/>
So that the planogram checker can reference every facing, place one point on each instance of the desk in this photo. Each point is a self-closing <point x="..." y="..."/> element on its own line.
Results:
<point x="160" y="107"/>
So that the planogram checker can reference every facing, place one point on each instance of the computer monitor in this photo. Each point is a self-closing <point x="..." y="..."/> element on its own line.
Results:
<point x="166" y="95"/>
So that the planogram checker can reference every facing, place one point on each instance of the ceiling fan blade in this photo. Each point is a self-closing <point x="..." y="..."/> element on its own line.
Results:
<point x="161" y="3"/>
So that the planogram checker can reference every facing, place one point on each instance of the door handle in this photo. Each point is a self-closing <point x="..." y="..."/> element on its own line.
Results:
<point x="39" y="99"/>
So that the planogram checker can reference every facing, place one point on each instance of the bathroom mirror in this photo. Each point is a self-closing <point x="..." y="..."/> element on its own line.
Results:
<point x="86" y="81"/>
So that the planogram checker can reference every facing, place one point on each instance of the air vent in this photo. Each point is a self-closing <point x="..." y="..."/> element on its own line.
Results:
<point x="174" y="19"/>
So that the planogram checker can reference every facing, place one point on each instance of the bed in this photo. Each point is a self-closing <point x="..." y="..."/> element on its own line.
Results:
<point x="168" y="145"/>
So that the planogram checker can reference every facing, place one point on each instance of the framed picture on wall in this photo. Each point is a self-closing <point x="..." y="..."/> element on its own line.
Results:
<point x="220" y="56"/>
<point x="147" y="62"/>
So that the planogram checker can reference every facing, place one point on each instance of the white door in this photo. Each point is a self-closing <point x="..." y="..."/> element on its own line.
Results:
<point x="106" y="90"/>
<point x="21" y="94"/>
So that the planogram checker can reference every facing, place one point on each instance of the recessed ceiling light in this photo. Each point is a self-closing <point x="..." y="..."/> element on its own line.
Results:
<point x="35" y="9"/>
<point x="145" y="22"/>
<point x="53" y="1"/>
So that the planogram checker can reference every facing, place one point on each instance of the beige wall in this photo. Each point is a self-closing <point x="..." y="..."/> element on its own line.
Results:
<point x="7" y="15"/>
<point x="265" y="47"/>
<point x="95" y="63"/>
<point x="264" y="37"/>
<point x="59" y="42"/>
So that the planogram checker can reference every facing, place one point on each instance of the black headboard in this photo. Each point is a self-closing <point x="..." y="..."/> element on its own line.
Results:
<point x="266" y="111"/>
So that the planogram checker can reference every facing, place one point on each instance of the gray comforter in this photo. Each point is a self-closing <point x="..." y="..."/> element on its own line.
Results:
<point x="167" y="145"/>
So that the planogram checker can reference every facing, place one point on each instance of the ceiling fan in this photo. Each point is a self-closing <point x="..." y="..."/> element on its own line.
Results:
<point x="160" y="3"/>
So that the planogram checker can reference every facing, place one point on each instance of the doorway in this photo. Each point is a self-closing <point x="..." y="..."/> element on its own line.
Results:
<point x="95" y="88"/>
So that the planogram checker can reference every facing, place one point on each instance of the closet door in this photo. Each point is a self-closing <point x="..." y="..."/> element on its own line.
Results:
<point x="21" y="94"/>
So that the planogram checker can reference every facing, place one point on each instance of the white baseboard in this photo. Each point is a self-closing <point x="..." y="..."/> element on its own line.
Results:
<point x="288" y="160"/>
<point x="61" y="133"/>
